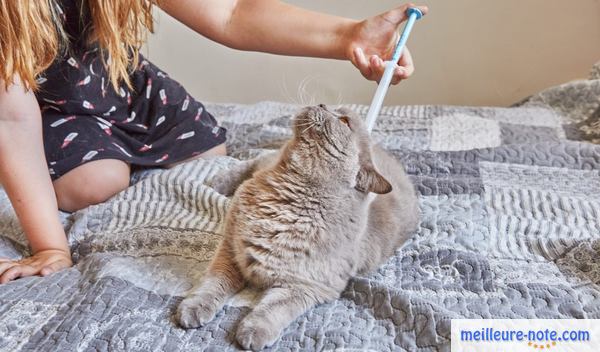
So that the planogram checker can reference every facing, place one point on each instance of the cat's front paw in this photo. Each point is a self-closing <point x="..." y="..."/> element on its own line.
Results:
<point x="255" y="335"/>
<point x="194" y="312"/>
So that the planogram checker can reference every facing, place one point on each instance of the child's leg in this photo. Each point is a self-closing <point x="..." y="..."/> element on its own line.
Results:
<point x="91" y="183"/>
<point x="219" y="150"/>
<point x="221" y="281"/>
<point x="97" y="181"/>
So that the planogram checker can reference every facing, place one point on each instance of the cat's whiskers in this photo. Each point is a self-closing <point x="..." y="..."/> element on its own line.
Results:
<point x="313" y="124"/>
<point x="302" y="93"/>
<point x="302" y="124"/>
<point x="339" y="99"/>
<point x="302" y="90"/>
<point x="286" y="93"/>
<point x="305" y="122"/>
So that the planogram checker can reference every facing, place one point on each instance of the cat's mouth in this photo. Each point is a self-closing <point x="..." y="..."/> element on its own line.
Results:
<point x="313" y="117"/>
<point x="317" y="114"/>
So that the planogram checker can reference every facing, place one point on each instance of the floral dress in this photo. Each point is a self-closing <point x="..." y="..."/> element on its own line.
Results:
<point x="84" y="118"/>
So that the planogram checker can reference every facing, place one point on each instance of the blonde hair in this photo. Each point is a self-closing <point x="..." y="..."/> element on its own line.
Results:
<point x="32" y="36"/>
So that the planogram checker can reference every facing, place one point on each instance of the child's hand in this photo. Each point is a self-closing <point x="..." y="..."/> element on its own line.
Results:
<point x="374" y="40"/>
<point x="42" y="263"/>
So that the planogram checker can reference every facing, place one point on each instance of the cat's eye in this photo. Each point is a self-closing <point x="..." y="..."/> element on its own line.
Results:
<point x="345" y="120"/>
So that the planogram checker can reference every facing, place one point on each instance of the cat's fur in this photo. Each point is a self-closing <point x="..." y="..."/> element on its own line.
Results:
<point x="304" y="220"/>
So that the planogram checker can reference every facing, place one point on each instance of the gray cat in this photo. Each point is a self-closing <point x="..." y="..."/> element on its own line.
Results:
<point x="303" y="221"/>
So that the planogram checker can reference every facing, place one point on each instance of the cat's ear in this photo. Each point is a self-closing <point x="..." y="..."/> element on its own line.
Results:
<point x="369" y="180"/>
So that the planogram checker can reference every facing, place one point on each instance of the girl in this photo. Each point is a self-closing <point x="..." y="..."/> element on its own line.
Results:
<point x="79" y="105"/>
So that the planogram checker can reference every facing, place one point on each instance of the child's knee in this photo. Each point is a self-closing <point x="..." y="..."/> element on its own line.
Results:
<point x="94" y="186"/>
<point x="103" y="186"/>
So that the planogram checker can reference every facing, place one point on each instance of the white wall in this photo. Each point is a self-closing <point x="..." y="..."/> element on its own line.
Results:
<point x="467" y="52"/>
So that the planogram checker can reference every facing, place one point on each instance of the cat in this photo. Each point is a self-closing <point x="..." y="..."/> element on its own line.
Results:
<point x="302" y="222"/>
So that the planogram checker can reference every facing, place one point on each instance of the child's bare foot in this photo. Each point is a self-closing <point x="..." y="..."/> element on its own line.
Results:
<point x="42" y="263"/>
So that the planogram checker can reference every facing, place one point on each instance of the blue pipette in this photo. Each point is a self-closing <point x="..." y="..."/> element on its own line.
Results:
<point x="413" y="15"/>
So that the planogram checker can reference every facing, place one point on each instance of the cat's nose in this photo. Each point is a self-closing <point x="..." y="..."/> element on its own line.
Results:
<point x="323" y="106"/>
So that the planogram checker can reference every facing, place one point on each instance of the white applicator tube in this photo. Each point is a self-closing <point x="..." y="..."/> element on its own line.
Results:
<point x="375" y="107"/>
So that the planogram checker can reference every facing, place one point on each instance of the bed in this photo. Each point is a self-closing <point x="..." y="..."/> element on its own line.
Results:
<point x="510" y="229"/>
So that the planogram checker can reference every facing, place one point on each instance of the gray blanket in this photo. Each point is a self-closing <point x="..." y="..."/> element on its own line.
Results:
<point x="510" y="229"/>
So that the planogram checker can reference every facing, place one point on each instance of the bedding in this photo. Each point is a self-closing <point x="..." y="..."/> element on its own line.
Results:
<point x="510" y="229"/>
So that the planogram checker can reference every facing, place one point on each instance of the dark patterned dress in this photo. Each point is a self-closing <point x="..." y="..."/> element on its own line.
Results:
<point x="85" y="119"/>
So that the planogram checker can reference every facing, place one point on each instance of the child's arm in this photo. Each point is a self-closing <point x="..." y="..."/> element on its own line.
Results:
<point x="25" y="178"/>
<point x="276" y="27"/>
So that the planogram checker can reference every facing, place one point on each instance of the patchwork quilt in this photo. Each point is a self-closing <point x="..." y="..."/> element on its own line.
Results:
<point x="510" y="229"/>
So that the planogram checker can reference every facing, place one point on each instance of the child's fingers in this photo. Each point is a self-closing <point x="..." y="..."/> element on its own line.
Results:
<point x="377" y="67"/>
<point x="52" y="268"/>
<point x="406" y="61"/>
<point x="361" y="62"/>
<point x="399" y="75"/>
<point x="6" y="265"/>
<point x="405" y="67"/>
<point x="374" y="67"/>
<point x="16" y="272"/>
